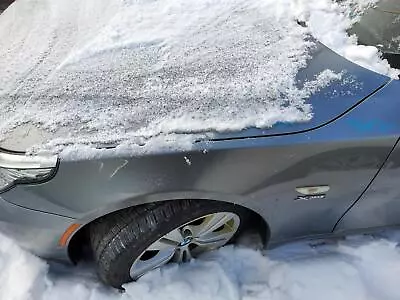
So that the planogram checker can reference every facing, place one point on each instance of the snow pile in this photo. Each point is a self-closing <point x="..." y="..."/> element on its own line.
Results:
<point x="358" y="268"/>
<point x="329" y="21"/>
<point x="121" y="72"/>
<point x="22" y="274"/>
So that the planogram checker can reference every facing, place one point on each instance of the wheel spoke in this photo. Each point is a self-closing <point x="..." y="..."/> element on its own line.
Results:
<point x="141" y="267"/>
<point x="183" y="255"/>
<point x="175" y="236"/>
<point x="213" y="239"/>
<point x="188" y="254"/>
<point x="211" y="223"/>
<point x="178" y="255"/>
<point x="206" y="233"/>
<point x="166" y="242"/>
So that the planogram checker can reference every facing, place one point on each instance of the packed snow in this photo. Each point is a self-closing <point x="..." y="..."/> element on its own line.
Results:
<point x="356" y="268"/>
<point x="328" y="22"/>
<point x="99" y="72"/>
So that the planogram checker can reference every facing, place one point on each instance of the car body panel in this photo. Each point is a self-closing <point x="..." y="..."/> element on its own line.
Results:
<point x="380" y="205"/>
<point x="328" y="103"/>
<point x="35" y="231"/>
<point x="261" y="173"/>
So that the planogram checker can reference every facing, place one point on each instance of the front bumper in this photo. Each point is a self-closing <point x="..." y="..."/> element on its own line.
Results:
<point x="35" y="231"/>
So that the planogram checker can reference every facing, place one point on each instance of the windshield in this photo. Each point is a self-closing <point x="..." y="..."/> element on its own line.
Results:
<point x="380" y="27"/>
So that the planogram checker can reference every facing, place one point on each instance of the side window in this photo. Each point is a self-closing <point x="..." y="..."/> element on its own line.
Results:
<point x="380" y="27"/>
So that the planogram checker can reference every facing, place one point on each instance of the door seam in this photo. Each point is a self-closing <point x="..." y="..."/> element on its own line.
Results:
<point x="368" y="185"/>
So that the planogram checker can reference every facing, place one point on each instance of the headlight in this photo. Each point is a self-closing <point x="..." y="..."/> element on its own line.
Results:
<point x="16" y="168"/>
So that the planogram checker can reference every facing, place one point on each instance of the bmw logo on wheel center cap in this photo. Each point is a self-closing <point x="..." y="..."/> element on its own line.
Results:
<point x="186" y="241"/>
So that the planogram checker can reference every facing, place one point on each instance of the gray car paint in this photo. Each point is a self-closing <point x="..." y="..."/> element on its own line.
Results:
<point x="380" y="205"/>
<point x="36" y="231"/>
<point x="257" y="169"/>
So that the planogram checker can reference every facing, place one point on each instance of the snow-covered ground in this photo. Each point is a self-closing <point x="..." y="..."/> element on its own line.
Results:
<point x="364" y="267"/>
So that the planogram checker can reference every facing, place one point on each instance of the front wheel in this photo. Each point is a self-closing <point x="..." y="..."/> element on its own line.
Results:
<point x="134" y="241"/>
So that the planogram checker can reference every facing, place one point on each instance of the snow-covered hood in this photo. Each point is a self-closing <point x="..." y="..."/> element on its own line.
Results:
<point x="100" y="72"/>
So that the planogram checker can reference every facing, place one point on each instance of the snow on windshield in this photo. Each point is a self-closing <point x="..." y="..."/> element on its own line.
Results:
<point x="107" y="72"/>
<point x="329" y="21"/>
<point x="358" y="268"/>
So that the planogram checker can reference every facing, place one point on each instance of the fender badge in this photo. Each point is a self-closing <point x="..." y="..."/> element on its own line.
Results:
<point x="309" y="197"/>
<point x="313" y="190"/>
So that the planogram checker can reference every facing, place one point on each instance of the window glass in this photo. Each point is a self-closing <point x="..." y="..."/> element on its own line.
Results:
<point x="380" y="27"/>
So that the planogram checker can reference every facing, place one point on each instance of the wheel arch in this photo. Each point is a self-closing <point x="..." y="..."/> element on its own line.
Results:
<point x="79" y="239"/>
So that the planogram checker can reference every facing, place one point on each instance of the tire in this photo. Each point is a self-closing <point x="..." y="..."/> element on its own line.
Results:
<point x="120" y="239"/>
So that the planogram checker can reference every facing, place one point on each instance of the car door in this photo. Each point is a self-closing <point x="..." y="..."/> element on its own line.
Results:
<point x="380" y="205"/>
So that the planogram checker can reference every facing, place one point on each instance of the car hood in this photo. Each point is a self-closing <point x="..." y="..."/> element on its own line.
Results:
<point x="115" y="76"/>
<point x="355" y="85"/>
<point x="328" y="103"/>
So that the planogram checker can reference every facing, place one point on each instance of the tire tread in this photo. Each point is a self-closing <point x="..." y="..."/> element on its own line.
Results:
<point x="132" y="228"/>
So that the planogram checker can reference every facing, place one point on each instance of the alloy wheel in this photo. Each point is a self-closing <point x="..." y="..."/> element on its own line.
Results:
<point x="187" y="241"/>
